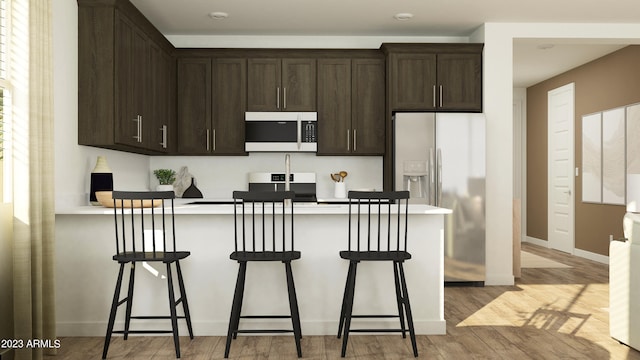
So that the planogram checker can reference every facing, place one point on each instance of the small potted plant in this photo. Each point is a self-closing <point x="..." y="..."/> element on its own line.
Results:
<point x="165" y="177"/>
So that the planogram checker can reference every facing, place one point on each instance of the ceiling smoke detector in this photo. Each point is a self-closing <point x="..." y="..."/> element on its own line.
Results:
<point x="218" y="15"/>
<point x="403" y="16"/>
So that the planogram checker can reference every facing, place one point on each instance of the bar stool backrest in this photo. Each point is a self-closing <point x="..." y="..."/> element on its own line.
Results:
<point x="378" y="220"/>
<point x="263" y="221"/>
<point x="144" y="222"/>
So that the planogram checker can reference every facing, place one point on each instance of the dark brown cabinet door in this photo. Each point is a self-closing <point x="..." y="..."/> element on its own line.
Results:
<point x="263" y="91"/>
<point x="229" y="105"/>
<point x="460" y="82"/>
<point x="368" y="106"/>
<point x="334" y="106"/>
<point x="351" y="106"/>
<point x="281" y="84"/>
<point x="413" y="83"/>
<point x="298" y="85"/>
<point x="131" y="54"/>
<point x="194" y="106"/>
<point x="158" y="126"/>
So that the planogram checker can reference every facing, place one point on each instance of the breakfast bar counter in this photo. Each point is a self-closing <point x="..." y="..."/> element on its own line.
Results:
<point x="86" y="274"/>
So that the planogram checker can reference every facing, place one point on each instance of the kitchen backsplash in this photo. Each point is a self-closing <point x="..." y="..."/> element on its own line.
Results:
<point x="218" y="176"/>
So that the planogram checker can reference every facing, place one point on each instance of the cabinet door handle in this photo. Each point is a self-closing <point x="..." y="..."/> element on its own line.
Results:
<point x="164" y="136"/>
<point x="138" y="135"/>
<point x="278" y="97"/>
<point x="348" y="140"/>
<point x="208" y="139"/>
<point x="440" y="95"/>
<point x="214" y="139"/>
<point x="434" y="96"/>
<point x="355" y="146"/>
<point x="284" y="98"/>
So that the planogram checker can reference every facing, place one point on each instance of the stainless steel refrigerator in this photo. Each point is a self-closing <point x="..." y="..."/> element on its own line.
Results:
<point x="440" y="159"/>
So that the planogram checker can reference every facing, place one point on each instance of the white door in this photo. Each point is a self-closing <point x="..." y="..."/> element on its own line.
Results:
<point x="560" y="210"/>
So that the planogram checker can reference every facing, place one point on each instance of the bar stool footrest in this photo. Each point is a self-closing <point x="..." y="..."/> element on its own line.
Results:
<point x="265" y="317"/>
<point x="265" y="331"/>
<point x="149" y="317"/>
<point x="142" y="332"/>
<point x="377" y="330"/>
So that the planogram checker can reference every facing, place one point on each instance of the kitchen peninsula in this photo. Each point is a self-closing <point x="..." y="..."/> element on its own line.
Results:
<point x="86" y="275"/>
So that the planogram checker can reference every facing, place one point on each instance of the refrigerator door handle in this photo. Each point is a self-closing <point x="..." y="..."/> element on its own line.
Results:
<point x="432" y="179"/>
<point x="439" y="178"/>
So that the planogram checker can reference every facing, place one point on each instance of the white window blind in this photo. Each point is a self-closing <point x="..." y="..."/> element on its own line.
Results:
<point x="3" y="73"/>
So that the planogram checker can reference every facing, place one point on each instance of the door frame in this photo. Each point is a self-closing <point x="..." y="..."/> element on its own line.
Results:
<point x="570" y="170"/>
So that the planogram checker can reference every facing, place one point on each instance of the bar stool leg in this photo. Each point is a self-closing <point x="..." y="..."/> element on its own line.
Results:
<point x="127" y="318"/>
<point x="344" y="300"/>
<point x="236" y="307"/>
<point x="112" y="313"/>
<point x="349" y="309"/>
<point x="412" y="332"/>
<point x="399" y="298"/>
<point x="172" y="309"/>
<point x="293" y="305"/>
<point x="185" y="303"/>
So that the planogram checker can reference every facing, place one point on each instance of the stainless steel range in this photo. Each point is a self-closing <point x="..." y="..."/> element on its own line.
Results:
<point x="303" y="184"/>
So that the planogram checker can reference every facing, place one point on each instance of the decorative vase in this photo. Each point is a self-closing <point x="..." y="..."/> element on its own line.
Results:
<point x="192" y="191"/>
<point x="101" y="179"/>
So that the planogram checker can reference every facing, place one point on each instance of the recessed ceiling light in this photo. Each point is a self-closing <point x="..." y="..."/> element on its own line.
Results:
<point x="403" y="16"/>
<point x="218" y="15"/>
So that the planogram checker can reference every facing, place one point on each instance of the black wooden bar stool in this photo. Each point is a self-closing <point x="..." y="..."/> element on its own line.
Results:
<point x="380" y="234"/>
<point x="147" y="234"/>
<point x="264" y="231"/>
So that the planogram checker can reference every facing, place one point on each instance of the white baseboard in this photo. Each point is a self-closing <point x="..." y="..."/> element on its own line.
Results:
<point x="577" y="252"/>
<point x="535" y="241"/>
<point x="591" y="256"/>
<point x="499" y="280"/>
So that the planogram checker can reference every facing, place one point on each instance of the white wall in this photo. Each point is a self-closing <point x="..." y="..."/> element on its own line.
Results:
<point x="498" y="104"/>
<point x="218" y="176"/>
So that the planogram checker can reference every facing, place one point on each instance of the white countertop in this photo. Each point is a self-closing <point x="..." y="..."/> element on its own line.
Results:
<point x="183" y="208"/>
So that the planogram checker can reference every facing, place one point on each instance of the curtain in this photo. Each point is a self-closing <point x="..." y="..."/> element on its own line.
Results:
<point x="33" y="184"/>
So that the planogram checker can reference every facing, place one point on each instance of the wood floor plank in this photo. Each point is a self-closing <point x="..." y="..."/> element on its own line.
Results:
<point x="550" y="313"/>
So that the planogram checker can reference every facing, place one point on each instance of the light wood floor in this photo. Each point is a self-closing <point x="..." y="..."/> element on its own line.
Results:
<point x="549" y="314"/>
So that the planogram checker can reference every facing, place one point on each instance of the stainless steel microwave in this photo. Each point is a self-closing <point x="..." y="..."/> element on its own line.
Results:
<point x="281" y="131"/>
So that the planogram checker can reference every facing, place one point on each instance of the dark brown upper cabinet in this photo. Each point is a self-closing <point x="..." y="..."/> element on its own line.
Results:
<point x="161" y="129"/>
<point x="281" y="84"/>
<point x="211" y="105"/>
<point x="351" y="106"/>
<point x="434" y="77"/>
<point x="125" y="69"/>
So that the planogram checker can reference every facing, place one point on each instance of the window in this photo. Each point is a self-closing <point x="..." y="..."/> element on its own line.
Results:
<point x="4" y="91"/>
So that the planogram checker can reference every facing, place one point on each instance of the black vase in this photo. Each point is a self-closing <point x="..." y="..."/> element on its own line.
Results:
<point x="192" y="191"/>
<point x="101" y="180"/>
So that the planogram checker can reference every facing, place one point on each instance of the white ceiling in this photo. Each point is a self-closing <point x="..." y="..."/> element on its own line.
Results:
<point x="432" y="18"/>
